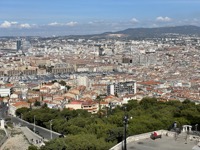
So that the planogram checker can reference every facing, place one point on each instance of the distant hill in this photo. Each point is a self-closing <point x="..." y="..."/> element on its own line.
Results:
<point x="141" y="33"/>
<point x="160" y="32"/>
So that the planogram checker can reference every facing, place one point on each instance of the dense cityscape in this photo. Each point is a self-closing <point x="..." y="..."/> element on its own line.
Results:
<point x="99" y="75"/>
<point x="96" y="75"/>
<point x="149" y="68"/>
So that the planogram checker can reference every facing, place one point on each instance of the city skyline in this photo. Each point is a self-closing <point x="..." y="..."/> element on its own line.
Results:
<point x="48" y="18"/>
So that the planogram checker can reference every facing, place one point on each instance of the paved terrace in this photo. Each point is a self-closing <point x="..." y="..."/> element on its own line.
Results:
<point x="167" y="142"/>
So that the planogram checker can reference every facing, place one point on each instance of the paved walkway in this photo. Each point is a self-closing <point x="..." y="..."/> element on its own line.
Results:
<point x="165" y="143"/>
<point x="32" y="137"/>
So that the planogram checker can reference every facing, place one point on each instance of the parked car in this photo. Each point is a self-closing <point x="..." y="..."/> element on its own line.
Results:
<point x="154" y="136"/>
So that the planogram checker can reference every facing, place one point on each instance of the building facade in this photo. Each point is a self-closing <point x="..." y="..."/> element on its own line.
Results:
<point x="121" y="88"/>
<point x="19" y="44"/>
<point x="5" y="92"/>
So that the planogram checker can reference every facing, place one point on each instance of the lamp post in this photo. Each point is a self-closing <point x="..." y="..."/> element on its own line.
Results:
<point x="125" y="130"/>
<point x="34" y="124"/>
<point x="125" y="121"/>
<point x="109" y="109"/>
<point x="50" y="129"/>
<point x="196" y="127"/>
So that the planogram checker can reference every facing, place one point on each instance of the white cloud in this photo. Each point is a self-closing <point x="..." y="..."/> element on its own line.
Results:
<point x="134" y="20"/>
<point x="34" y="25"/>
<point x="154" y="25"/>
<point x="25" y="25"/>
<point x="6" y="24"/>
<point x="72" y="24"/>
<point x="97" y="22"/>
<point x="14" y="22"/>
<point x="54" y="24"/>
<point x="91" y="22"/>
<point x="163" y="19"/>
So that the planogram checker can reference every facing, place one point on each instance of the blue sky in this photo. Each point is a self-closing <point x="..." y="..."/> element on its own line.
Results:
<point x="64" y="17"/>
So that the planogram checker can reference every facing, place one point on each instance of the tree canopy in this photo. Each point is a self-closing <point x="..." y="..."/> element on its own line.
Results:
<point x="85" y="131"/>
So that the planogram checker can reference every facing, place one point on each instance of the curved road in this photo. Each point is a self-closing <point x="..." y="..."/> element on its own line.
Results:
<point x="43" y="132"/>
<point x="3" y="110"/>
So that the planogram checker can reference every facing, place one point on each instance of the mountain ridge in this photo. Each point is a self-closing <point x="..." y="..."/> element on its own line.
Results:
<point x="136" y="33"/>
<point x="141" y="33"/>
<point x="158" y="31"/>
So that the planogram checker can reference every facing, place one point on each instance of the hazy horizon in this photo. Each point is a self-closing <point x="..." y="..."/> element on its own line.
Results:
<point x="48" y="18"/>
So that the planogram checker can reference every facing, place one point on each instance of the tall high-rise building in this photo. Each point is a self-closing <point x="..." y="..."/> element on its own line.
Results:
<point x="19" y="44"/>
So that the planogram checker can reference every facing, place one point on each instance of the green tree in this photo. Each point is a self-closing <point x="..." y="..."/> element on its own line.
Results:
<point x="68" y="87"/>
<point x="78" y="142"/>
<point x="22" y="110"/>
<point x="132" y="104"/>
<point x="89" y="130"/>
<point x="115" y="135"/>
<point x="32" y="147"/>
<point x="148" y="102"/>
<point x="49" y="68"/>
<point x="63" y="83"/>
<point x="44" y="105"/>
<point x="54" y="81"/>
<point x="37" y="103"/>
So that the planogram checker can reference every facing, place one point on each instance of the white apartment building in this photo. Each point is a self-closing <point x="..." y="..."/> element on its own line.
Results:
<point x="4" y="92"/>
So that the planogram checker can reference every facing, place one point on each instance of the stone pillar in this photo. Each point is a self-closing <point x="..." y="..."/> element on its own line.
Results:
<point x="184" y="129"/>
<point x="2" y="124"/>
<point x="190" y="128"/>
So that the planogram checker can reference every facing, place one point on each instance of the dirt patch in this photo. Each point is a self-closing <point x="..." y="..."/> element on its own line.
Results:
<point x="16" y="141"/>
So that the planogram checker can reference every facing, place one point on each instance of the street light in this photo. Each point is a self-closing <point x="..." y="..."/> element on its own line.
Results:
<point x="34" y="124"/>
<point x="51" y="129"/>
<point x="125" y="121"/>
<point x="125" y="130"/>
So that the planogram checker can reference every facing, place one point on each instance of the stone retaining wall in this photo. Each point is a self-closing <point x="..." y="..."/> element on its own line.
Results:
<point x="5" y="137"/>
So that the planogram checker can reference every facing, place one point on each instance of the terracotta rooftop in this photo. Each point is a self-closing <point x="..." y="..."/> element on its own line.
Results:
<point x="9" y="85"/>
<point x="149" y="83"/>
<point x="76" y="102"/>
<point x="21" y="103"/>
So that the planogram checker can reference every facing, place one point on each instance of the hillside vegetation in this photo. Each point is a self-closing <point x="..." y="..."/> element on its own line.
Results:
<point x="101" y="131"/>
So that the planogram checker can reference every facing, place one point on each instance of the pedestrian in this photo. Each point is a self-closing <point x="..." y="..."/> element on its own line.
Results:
<point x="186" y="139"/>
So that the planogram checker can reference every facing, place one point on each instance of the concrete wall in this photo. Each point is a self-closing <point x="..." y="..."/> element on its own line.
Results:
<point x="4" y="138"/>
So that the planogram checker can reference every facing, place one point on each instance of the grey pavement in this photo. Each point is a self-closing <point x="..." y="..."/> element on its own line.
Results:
<point x="32" y="137"/>
<point x="42" y="131"/>
<point x="165" y="143"/>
